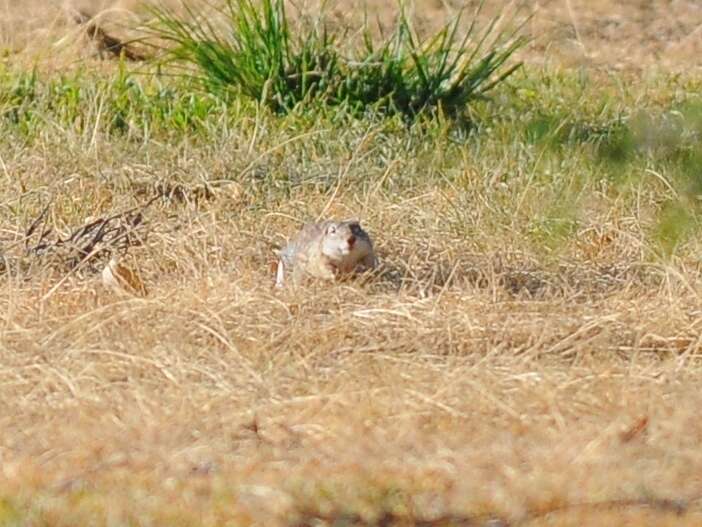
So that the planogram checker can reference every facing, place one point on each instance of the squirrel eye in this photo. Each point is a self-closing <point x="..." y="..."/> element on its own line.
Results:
<point x="332" y="229"/>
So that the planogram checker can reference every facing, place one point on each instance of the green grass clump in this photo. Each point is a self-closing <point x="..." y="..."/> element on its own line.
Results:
<point x="118" y="104"/>
<point x="262" y="57"/>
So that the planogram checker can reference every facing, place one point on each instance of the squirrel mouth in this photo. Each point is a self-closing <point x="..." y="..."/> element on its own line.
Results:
<point x="343" y="252"/>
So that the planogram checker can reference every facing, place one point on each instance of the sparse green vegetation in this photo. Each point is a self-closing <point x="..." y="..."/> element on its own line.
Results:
<point x="127" y="104"/>
<point x="559" y="154"/>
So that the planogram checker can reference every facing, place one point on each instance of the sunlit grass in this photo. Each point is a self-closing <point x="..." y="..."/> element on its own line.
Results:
<point x="526" y="355"/>
<point x="260" y="54"/>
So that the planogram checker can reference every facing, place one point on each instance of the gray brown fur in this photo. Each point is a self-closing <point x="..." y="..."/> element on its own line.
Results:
<point x="327" y="250"/>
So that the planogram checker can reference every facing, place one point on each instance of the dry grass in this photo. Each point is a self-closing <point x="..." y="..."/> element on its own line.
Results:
<point x="480" y="379"/>
<point x="592" y="33"/>
<point x="460" y="382"/>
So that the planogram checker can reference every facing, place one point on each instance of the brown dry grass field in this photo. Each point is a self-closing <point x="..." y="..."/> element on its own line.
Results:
<point x="528" y="354"/>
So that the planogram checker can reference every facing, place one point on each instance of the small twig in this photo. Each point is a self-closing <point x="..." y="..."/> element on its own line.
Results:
<point x="309" y="517"/>
<point x="105" y="41"/>
<point x="88" y="240"/>
<point x="68" y="484"/>
<point x="574" y="23"/>
<point x="35" y="224"/>
<point x="679" y="507"/>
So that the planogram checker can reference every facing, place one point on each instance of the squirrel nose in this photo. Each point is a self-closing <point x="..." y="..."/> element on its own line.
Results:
<point x="351" y="240"/>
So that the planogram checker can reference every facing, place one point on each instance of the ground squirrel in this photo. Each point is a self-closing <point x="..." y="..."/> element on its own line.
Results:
<point x="327" y="250"/>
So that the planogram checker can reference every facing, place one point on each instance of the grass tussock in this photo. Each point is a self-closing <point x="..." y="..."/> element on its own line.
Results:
<point x="260" y="54"/>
